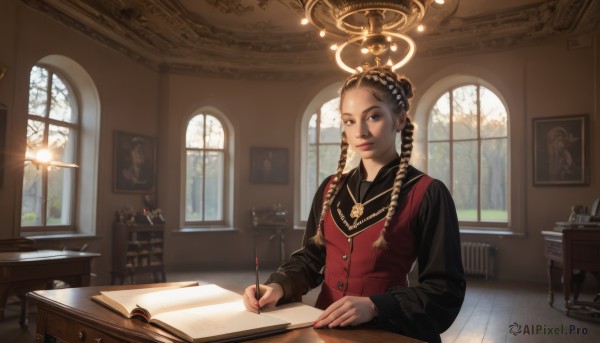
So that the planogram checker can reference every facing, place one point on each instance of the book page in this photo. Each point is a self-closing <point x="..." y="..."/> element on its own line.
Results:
<point x="299" y="315"/>
<point x="216" y="322"/>
<point x="125" y="301"/>
<point x="155" y="302"/>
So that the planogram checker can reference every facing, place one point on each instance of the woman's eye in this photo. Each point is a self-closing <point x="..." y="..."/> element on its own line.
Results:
<point x="348" y="122"/>
<point x="374" y="117"/>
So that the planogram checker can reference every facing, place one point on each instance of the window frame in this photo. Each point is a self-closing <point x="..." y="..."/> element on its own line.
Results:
<point x="226" y="202"/>
<point x="44" y="228"/>
<point x="516" y="134"/>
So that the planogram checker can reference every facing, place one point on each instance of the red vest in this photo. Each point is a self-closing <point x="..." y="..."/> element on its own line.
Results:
<point x="354" y="267"/>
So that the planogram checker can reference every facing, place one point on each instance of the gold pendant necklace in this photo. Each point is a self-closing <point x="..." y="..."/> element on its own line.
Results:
<point x="359" y="208"/>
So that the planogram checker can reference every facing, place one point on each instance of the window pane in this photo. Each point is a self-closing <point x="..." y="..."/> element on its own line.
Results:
<point x="35" y="137"/>
<point x="213" y="209"/>
<point x="493" y="115"/>
<point x="464" y="176"/>
<point x="38" y="91"/>
<point x="60" y="106"/>
<point x="439" y="119"/>
<point x="312" y="129"/>
<point x="439" y="162"/>
<point x="61" y="142"/>
<point x="352" y="160"/>
<point x="31" y="206"/>
<point x="494" y="166"/>
<point x="331" y="124"/>
<point x="194" y="136"/>
<point x="215" y="135"/>
<point x="195" y="186"/>
<point x="60" y="186"/>
<point x="464" y="106"/>
<point x="328" y="160"/>
<point x="311" y="176"/>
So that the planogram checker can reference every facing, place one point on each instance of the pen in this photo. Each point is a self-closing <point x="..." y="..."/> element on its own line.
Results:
<point x="257" y="284"/>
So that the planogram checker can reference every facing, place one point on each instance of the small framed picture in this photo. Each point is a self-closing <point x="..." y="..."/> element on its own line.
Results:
<point x="134" y="162"/>
<point x="269" y="165"/>
<point x="560" y="151"/>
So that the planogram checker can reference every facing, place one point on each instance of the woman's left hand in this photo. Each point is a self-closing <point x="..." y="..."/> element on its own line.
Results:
<point x="347" y="311"/>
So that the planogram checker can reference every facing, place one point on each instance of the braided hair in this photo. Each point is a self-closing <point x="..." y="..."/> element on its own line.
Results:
<point x="394" y="91"/>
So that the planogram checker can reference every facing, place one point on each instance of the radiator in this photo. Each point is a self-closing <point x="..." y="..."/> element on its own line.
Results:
<point x="478" y="258"/>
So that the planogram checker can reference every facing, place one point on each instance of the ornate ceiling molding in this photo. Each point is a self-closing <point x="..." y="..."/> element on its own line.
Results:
<point x="167" y="36"/>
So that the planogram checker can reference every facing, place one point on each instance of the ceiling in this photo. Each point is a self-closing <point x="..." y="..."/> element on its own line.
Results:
<point x="263" y="39"/>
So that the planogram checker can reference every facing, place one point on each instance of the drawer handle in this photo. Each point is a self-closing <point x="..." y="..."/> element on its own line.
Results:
<point x="81" y="335"/>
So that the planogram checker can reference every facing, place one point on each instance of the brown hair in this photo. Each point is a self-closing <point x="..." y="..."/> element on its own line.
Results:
<point x="394" y="91"/>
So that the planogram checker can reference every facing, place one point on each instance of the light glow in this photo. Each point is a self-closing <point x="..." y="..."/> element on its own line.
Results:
<point x="43" y="156"/>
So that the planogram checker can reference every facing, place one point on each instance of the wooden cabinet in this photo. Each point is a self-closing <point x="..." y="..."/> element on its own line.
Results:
<point x="138" y="249"/>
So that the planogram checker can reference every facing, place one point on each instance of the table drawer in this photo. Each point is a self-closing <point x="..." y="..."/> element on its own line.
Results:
<point x="64" y="329"/>
<point x="553" y="250"/>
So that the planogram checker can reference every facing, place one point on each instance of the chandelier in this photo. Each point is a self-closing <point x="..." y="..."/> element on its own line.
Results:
<point x="368" y="33"/>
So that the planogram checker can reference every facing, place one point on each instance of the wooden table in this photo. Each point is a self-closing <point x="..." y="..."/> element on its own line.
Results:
<point x="25" y="271"/>
<point x="70" y="315"/>
<point x="567" y="251"/>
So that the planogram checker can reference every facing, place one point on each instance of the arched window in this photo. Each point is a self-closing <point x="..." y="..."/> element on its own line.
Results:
<point x="468" y="151"/>
<point x="49" y="191"/>
<point x="206" y="166"/>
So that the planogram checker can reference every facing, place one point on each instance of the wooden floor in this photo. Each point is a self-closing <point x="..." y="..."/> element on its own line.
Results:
<point x="492" y="312"/>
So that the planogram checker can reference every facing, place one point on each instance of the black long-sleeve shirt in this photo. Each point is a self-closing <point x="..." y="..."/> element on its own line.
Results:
<point x="422" y="311"/>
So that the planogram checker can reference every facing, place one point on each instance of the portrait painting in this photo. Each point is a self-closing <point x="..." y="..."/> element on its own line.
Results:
<point x="560" y="150"/>
<point x="269" y="165"/>
<point x="134" y="162"/>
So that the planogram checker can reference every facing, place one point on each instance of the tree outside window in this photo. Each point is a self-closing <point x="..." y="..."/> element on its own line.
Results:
<point x="468" y="151"/>
<point x="52" y="124"/>
<point x="205" y="170"/>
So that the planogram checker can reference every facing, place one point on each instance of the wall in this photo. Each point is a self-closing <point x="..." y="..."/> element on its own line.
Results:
<point x="538" y="81"/>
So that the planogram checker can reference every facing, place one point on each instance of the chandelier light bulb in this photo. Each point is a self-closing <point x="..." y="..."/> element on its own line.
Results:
<point x="440" y="2"/>
<point x="333" y="47"/>
<point x="364" y="50"/>
<point x="304" y="21"/>
<point x="421" y="28"/>
<point x="394" y="47"/>
<point x="322" y="33"/>
<point x="389" y="38"/>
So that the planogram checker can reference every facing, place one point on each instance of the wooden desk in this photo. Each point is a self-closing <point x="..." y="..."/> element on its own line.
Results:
<point x="569" y="250"/>
<point x="25" y="271"/>
<point x="70" y="315"/>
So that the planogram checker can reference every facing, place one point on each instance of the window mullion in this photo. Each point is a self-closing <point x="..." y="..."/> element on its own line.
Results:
<point x="479" y="153"/>
<point x="451" y="141"/>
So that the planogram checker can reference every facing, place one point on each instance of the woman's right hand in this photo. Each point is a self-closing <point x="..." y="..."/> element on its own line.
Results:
<point x="270" y="295"/>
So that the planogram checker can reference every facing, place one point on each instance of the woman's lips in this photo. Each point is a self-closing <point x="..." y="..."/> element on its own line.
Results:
<point x="364" y="146"/>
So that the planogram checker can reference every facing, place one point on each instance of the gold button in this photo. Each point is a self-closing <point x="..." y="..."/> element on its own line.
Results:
<point x="340" y="284"/>
<point x="345" y="257"/>
<point x="349" y="239"/>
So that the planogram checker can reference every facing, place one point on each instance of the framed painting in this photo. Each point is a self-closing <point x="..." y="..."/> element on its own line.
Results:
<point x="134" y="163"/>
<point x="269" y="165"/>
<point x="560" y="151"/>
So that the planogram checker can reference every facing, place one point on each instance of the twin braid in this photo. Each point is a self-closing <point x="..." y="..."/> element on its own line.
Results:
<point x="333" y="190"/>
<point x="405" y="153"/>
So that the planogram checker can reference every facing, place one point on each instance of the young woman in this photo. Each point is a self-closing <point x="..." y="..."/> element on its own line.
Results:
<point x="367" y="227"/>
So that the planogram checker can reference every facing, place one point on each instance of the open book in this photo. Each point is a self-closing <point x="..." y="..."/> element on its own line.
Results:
<point x="205" y="313"/>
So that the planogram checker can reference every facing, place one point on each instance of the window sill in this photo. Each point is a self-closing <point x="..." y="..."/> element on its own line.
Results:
<point x="206" y="229"/>
<point x="38" y="237"/>
<point x="488" y="232"/>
